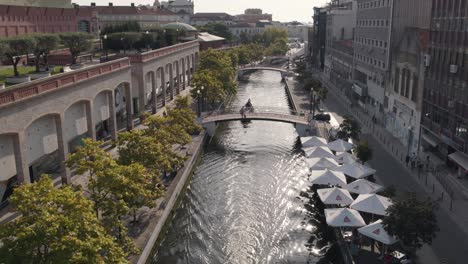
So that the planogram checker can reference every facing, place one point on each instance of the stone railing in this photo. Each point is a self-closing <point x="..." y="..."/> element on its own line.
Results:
<point x="154" y="54"/>
<point x="30" y="89"/>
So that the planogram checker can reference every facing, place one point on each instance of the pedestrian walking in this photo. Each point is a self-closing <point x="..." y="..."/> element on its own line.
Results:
<point x="407" y="159"/>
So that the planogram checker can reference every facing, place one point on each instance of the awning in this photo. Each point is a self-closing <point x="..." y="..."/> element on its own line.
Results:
<point x="430" y="139"/>
<point x="459" y="158"/>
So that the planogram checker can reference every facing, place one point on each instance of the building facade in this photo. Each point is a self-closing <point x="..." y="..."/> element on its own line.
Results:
<point x="404" y="91"/>
<point x="296" y="30"/>
<point x="339" y="47"/>
<point x="372" y="54"/>
<point x="253" y="15"/>
<point x="18" y="20"/>
<point x="445" y="102"/>
<point x="39" y="3"/>
<point x="201" y="19"/>
<point x="319" y="37"/>
<point x="177" y="6"/>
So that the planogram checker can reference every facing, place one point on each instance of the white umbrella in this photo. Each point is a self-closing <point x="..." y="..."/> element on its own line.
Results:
<point x="356" y="170"/>
<point x="335" y="196"/>
<point x="315" y="152"/>
<point x="340" y="145"/>
<point x="371" y="203"/>
<point x="321" y="163"/>
<point x="345" y="157"/>
<point x="328" y="177"/>
<point x="340" y="217"/>
<point x="362" y="186"/>
<point x="308" y="142"/>
<point x="377" y="232"/>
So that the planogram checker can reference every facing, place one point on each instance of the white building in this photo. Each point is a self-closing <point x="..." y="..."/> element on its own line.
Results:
<point x="247" y="28"/>
<point x="339" y="45"/>
<point x="295" y="29"/>
<point x="177" y="6"/>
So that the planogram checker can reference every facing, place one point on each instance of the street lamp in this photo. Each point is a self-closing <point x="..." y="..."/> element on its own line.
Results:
<point x="104" y="46"/>
<point x="312" y="103"/>
<point x="198" y="103"/>
<point x="202" y="102"/>
<point x="147" y="45"/>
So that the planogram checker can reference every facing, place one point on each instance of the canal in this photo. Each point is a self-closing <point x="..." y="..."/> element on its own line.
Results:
<point x="249" y="200"/>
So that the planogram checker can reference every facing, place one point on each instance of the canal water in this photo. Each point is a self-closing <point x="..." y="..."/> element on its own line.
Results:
<point x="249" y="200"/>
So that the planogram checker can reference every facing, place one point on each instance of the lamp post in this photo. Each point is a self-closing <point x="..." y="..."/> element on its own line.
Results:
<point x="147" y="45"/>
<point x="104" y="46"/>
<point x="202" y="99"/>
<point x="312" y="103"/>
<point x="198" y="103"/>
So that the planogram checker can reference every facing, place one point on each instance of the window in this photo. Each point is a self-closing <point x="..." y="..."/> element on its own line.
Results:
<point x="414" y="93"/>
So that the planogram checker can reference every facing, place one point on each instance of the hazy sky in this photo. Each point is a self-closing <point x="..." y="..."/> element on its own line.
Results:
<point x="282" y="10"/>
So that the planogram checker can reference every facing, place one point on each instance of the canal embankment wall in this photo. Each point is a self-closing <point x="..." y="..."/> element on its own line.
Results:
<point x="173" y="194"/>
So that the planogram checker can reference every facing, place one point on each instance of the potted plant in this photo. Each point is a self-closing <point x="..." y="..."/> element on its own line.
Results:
<point x="44" y="44"/>
<point x="76" y="42"/>
<point x="15" y="49"/>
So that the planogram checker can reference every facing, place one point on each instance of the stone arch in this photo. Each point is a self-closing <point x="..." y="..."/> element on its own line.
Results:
<point x="188" y="73"/>
<point x="170" y="72"/>
<point x="104" y="115"/>
<point x="124" y="105"/>
<point x="45" y="148"/>
<point x="11" y="166"/>
<point x="149" y="97"/>
<point x="175" y="66"/>
<point x="183" y="66"/>
<point x="78" y="123"/>
<point x="161" y="74"/>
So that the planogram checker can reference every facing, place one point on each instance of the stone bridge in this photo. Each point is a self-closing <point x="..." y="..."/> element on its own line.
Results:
<point x="242" y="71"/>
<point x="44" y="120"/>
<point x="300" y="120"/>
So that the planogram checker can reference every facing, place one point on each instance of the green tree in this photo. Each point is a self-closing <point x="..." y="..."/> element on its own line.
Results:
<point x="57" y="225"/>
<point x="217" y="29"/>
<point x="411" y="221"/>
<point x="123" y="40"/>
<point x="138" y="185"/>
<point x="17" y="47"/>
<point x="76" y="42"/>
<point x="364" y="152"/>
<point x="213" y="91"/>
<point x="44" y="44"/>
<point x="219" y="65"/>
<point x="105" y="188"/>
<point x="349" y="128"/>
<point x="278" y="48"/>
<point x="272" y="35"/>
<point x="183" y="116"/>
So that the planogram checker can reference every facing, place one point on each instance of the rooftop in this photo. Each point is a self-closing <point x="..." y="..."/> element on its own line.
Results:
<point x="179" y="25"/>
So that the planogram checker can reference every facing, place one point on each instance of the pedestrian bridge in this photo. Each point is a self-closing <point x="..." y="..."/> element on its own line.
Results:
<point x="260" y="68"/>
<point x="299" y="119"/>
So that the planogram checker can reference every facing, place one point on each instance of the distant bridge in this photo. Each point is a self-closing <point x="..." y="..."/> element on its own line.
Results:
<point x="300" y="120"/>
<point x="260" y="68"/>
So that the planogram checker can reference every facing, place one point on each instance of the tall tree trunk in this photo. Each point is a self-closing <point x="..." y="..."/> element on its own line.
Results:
<point x="15" y="62"/>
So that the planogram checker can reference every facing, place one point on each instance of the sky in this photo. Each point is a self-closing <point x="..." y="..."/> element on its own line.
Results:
<point x="282" y="10"/>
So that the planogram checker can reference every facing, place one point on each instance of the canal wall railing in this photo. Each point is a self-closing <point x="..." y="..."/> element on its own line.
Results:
<point x="289" y="93"/>
<point x="170" y="203"/>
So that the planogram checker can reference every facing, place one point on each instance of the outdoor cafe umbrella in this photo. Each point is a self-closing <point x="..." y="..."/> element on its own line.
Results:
<point x="340" y="145"/>
<point x="362" y="186"/>
<point x="328" y="177"/>
<point x="356" y="170"/>
<point x="345" y="157"/>
<point x="321" y="163"/>
<point x="371" y="203"/>
<point x="315" y="152"/>
<point x="308" y="142"/>
<point x="342" y="217"/>
<point x="377" y="232"/>
<point x="335" y="196"/>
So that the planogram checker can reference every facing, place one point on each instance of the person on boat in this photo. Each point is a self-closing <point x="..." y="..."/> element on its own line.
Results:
<point x="249" y="103"/>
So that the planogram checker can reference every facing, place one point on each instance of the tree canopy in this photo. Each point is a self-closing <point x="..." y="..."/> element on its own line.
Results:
<point x="411" y="221"/>
<point x="44" y="44"/>
<point x="364" y="152"/>
<point x="57" y="225"/>
<point x="349" y="128"/>
<point x="17" y="47"/>
<point x="76" y="42"/>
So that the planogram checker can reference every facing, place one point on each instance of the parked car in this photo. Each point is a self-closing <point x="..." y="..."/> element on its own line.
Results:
<point x="322" y="117"/>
